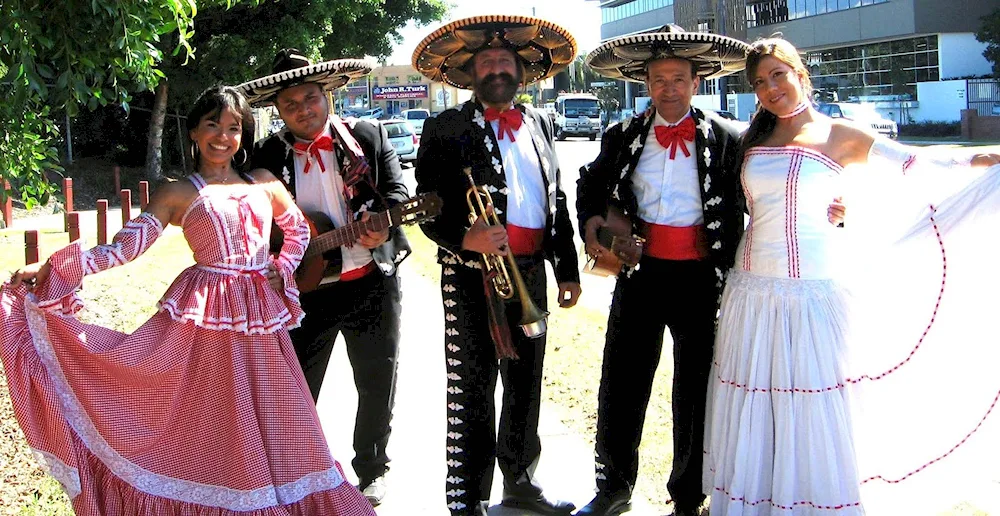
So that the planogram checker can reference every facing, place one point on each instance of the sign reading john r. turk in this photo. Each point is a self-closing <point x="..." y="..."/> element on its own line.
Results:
<point x="410" y="91"/>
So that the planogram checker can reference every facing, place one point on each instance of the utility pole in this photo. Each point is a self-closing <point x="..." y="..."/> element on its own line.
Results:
<point x="720" y="17"/>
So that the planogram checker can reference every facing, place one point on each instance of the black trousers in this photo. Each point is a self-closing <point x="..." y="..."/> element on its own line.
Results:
<point x="473" y="444"/>
<point x="681" y="296"/>
<point x="366" y="311"/>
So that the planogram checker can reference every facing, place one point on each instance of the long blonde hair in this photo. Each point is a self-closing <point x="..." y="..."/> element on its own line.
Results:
<point x="763" y="121"/>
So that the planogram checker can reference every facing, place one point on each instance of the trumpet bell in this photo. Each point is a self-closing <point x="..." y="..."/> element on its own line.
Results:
<point x="535" y="329"/>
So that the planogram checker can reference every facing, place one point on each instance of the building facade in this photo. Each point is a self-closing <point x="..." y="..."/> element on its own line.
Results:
<point x="397" y="88"/>
<point x="885" y="52"/>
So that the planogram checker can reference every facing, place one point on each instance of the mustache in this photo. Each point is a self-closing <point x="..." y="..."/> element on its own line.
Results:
<point x="504" y="76"/>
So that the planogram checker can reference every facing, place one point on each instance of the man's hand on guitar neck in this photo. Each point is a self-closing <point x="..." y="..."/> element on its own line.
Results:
<point x="372" y="239"/>
<point x="593" y="247"/>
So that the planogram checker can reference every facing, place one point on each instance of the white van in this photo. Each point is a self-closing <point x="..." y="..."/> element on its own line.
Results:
<point x="416" y="118"/>
<point x="578" y="114"/>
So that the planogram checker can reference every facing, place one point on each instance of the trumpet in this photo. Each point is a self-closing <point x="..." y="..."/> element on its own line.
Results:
<point x="505" y="277"/>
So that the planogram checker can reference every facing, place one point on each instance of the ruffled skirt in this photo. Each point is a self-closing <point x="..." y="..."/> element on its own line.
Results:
<point x="873" y="394"/>
<point x="174" y="418"/>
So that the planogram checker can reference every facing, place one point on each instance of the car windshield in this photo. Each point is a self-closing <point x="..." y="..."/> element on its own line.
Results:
<point x="858" y="111"/>
<point x="397" y="130"/>
<point x="581" y="107"/>
<point x="416" y="115"/>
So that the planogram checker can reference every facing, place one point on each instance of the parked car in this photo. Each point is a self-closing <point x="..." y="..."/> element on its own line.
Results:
<point x="416" y="118"/>
<point x="404" y="139"/>
<point x="863" y="114"/>
<point x="372" y="114"/>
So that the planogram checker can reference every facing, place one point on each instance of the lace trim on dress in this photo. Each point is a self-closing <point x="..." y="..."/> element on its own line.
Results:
<point x="145" y="480"/>
<point x="68" y="476"/>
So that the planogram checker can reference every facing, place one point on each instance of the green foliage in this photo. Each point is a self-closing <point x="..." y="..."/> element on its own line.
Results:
<point x="989" y="33"/>
<point x="933" y="129"/>
<point x="524" y="98"/>
<point x="238" y="44"/>
<point x="59" y="56"/>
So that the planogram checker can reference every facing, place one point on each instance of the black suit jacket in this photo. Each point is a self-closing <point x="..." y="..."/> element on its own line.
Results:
<point x="276" y="154"/>
<point x="461" y="137"/>
<point x="608" y="180"/>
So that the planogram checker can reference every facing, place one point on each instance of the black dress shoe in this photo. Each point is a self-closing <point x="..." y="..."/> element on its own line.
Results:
<point x="607" y="504"/>
<point x="687" y="511"/>
<point x="537" y="503"/>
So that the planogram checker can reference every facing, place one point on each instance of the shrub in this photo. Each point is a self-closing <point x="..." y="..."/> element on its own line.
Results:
<point x="942" y="129"/>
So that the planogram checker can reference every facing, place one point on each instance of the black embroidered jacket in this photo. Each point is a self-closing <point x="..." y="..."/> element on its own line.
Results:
<point x="608" y="180"/>
<point x="461" y="137"/>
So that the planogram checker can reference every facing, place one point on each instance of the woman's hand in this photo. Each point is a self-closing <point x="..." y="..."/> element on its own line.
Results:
<point x="274" y="278"/>
<point x="985" y="160"/>
<point x="31" y="274"/>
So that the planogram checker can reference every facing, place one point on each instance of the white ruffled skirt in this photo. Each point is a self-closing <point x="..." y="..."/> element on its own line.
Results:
<point x="872" y="394"/>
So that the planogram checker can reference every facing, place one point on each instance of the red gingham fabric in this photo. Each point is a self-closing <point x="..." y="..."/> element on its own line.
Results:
<point x="185" y="415"/>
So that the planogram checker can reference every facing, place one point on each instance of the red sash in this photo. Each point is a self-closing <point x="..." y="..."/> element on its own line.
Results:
<point x="674" y="243"/>
<point x="524" y="241"/>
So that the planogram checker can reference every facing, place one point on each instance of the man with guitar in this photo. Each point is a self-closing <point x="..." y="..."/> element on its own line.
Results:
<point x="673" y="172"/>
<point x="346" y="173"/>
<point x="495" y="168"/>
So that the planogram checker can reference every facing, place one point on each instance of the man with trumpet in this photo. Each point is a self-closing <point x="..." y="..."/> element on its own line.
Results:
<point x="494" y="166"/>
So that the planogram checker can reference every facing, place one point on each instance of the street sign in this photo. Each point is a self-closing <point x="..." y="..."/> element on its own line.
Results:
<point x="600" y="84"/>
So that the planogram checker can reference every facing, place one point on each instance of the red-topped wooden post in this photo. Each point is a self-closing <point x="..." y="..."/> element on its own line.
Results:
<point x="31" y="246"/>
<point x="118" y="178"/>
<point x="126" y="197"/>
<point x="74" y="225"/>
<point x="102" y="221"/>
<point x="68" y="194"/>
<point x="8" y="205"/>
<point x="143" y="194"/>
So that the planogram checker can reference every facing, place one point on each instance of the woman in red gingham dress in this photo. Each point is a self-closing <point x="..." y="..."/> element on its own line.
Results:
<point x="203" y="409"/>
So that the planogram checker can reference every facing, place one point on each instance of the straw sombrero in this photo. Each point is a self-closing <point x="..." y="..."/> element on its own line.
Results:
<point x="291" y="68"/>
<point x="626" y="57"/>
<point x="543" y="47"/>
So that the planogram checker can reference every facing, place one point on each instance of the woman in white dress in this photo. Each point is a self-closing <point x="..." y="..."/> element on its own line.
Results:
<point x="850" y="373"/>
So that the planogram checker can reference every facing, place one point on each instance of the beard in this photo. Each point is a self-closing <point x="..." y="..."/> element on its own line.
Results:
<point x="496" y="88"/>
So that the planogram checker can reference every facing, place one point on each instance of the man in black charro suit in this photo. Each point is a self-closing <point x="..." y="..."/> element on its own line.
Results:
<point x="343" y="169"/>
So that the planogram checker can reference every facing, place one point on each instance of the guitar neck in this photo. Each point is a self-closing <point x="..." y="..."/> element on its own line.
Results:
<point x="348" y="234"/>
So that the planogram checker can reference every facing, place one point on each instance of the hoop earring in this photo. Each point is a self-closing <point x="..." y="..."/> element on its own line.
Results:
<point x="194" y="152"/>
<point x="242" y="161"/>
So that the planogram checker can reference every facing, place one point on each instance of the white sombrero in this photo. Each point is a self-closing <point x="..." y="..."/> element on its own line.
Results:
<point x="626" y="57"/>
<point x="543" y="47"/>
<point x="291" y="68"/>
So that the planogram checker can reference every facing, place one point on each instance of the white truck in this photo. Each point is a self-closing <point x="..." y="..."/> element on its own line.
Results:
<point x="577" y="114"/>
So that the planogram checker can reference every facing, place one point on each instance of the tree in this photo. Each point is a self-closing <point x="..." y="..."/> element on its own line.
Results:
<point x="61" y="56"/>
<point x="236" y="44"/>
<point x="989" y="33"/>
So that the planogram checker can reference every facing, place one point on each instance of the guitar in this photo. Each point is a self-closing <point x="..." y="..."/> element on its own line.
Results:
<point x="616" y="235"/>
<point x="324" y="237"/>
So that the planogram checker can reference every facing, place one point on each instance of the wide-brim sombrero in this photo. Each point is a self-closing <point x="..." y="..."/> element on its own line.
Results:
<point x="543" y="47"/>
<point x="330" y="75"/>
<point x="626" y="57"/>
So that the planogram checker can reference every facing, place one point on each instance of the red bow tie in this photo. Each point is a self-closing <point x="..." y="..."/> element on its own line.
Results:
<point x="672" y="137"/>
<point x="510" y="120"/>
<point x="311" y="150"/>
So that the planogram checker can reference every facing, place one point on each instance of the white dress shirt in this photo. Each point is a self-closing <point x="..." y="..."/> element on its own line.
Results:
<point x="324" y="192"/>
<point x="667" y="189"/>
<point x="526" y="198"/>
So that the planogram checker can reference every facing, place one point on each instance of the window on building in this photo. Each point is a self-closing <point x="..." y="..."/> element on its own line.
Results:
<point x="885" y="68"/>
<point x="391" y="80"/>
<point x="769" y="12"/>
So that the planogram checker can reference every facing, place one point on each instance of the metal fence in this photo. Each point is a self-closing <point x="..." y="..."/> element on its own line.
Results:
<point x="983" y="95"/>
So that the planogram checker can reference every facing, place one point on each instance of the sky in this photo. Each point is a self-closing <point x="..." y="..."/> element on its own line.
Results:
<point x="581" y="18"/>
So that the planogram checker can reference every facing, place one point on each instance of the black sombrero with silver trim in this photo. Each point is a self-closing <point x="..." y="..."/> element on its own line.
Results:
<point x="626" y="57"/>
<point x="543" y="47"/>
<point x="291" y="68"/>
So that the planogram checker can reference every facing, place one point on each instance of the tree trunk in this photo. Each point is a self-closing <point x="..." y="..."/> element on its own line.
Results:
<point x="154" y="155"/>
